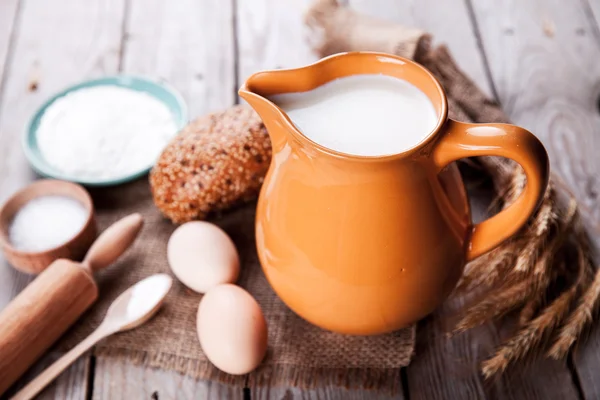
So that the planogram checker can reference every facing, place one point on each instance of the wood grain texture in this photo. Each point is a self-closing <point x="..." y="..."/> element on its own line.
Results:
<point x="70" y="385"/>
<point x="189" y="44"/>
<point x="448" y="367"/>
<point x="543" y="57"/>
<point x="586" y="358"/>
<point x="325" y="393"/>
<point x="8" y="20"/>
<point x="10" y="280"/>
<point x="117" y="379"/>
<point x="449" y="23"/>
<point x="52" y="49"/>
<point x="271" y="34"/>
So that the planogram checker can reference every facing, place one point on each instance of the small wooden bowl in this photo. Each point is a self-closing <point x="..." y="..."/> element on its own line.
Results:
<point x="74" y="249"/>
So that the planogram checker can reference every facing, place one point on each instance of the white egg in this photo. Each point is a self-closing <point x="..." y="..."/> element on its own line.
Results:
<point x="232" y="329"/>
<point x="201" y="256"/>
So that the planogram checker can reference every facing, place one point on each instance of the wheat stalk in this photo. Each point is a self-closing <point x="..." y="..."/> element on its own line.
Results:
<point x="529" y="337"/>
<point x="530" y="309"/>
<point x="495" y="304"/>
<point x="581" y="316"/>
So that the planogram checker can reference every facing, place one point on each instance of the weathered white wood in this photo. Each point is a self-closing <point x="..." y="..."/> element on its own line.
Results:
<point x="70" y="385"/>
<point x="10" y="280"/>
<point x="271" y="34"/>
<point x="593" y="10"/>
<point x="188" y="43"/>
<point x="8" y="17"/>
<point x="118" y="379"/>
<point x="447" y="21"/>
<point x="543" y="57"/>
<point x="53" y="47"/>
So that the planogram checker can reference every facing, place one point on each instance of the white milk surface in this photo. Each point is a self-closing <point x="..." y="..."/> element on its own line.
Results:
<point x="365" y="115"/>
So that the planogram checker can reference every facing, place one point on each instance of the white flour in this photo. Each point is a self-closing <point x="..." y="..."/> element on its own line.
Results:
<point x="146" y="294"/>
<point x="104" y="132"/>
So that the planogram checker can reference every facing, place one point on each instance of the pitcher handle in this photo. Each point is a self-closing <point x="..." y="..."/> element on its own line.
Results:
<point x="461" y="140"/>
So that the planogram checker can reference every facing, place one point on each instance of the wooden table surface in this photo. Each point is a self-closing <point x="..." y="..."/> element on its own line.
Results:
<point x="539" y="58"/>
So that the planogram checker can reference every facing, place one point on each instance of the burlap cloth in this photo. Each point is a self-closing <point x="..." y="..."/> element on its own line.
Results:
<point x="299" y="353"/>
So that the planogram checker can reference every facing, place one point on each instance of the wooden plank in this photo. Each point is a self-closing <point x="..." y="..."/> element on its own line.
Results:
<point x="449" y="367"/>
<point x="586" y="359"/>
<point x="329" y="392"/>
<point x="118" y="379"/>
<point x="51" y="48"/>
<point x="543" y="59"/>
<point x="188" y="43"/>
<point x="271" y="34"/>
<point x="10" y="281"/>
<point x="449" y="23"/>
<point x="70" y="385"/>
<point x="592" y="8"/>
<point x="8" y="18"/>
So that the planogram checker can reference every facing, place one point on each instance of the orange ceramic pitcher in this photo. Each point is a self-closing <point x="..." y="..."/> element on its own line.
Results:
<point x="367" y="245"/>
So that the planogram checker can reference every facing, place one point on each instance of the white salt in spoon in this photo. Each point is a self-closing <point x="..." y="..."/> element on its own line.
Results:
<point x="131" y="309"/>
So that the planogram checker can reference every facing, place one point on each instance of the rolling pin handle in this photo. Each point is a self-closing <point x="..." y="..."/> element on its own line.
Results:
<point x="113" y="242"/>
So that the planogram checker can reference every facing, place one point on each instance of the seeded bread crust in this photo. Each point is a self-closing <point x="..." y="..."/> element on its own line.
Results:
<point x="214" y="163"/>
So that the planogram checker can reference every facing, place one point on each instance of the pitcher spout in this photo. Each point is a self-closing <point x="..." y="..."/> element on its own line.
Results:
<point x="256" y="91"/>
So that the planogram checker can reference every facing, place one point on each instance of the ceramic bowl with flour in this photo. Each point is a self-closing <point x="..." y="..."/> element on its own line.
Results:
<point x="105" y="131"/>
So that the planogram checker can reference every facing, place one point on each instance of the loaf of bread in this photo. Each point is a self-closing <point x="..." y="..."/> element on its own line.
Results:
<point x="216" y="162"/>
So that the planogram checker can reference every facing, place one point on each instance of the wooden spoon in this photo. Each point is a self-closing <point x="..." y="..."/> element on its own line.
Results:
<point x="131" y="309"/>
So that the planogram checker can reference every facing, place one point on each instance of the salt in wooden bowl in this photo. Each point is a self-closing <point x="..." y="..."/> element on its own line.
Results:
<point x="73" y="249"/>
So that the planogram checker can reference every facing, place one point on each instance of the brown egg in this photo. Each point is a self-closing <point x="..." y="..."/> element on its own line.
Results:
<point x="232" y="329"/>
<point x="201" y="256"/>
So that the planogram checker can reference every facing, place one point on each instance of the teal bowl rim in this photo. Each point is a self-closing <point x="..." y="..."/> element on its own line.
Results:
<point x="38" y="163"/>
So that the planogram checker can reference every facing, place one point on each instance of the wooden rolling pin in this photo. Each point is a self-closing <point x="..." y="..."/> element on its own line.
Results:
<point x="50" y="304"/>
